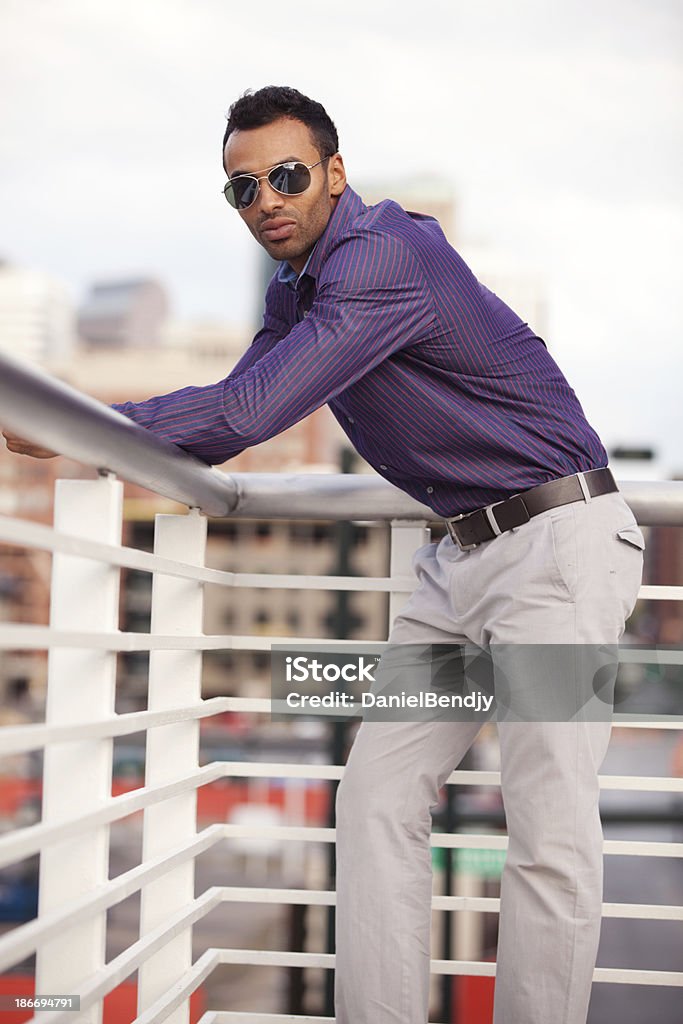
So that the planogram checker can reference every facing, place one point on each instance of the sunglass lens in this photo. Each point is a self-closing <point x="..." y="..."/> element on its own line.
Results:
<point x="241" y="192"/>
<point x="290" y="179"/>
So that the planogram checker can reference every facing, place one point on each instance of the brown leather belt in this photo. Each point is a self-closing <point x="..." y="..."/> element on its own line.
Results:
<point x="474" y="528"/>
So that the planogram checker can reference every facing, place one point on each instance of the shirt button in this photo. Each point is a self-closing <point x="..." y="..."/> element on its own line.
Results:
<point x="384" y="467"/>
<point x="430" y="490"/>
<point x="350" y="419"/>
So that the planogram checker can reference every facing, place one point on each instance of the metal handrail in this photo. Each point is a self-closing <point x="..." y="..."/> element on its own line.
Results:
<point x="56" y="415"/>
<point x="368" y="497"/>
<point x="52" y="413"/>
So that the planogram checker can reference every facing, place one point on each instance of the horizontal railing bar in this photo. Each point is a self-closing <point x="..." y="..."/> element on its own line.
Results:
<point x="270" y="769"/>
<point x="640" y="721"/>
<point x="240" y="1017"/>
<point x="36" y="535"/>
<point x="122" y="966"/>
<point x="480" y="904"/>
<point x="352" y="712"/>
<point x="264" y="705"/>
<point x="256" y="704"/>
<point x="325" y="496"/>
<point x="658" y="592"/>
<point x="180" y="991"/>
<point x="25" y="939"/>
<point x="643" y="911"/>
<point x="366" y="497"/>
<point x="629" y="976"/>
<point x="642" y="783"/>
<point x="664" y="655"/>
<point x="275" y="958"/>
<point x="24" y="636"/>
<point x="17" y="738"/>
<point x="457" y="841"/>
<point x="281" y="958"/>
<point x="298" y="833"/>
<point x="462" y="777"/>
<point x="288" y="897"/>
<point x="27" y="841"/>
<point x="374" y="584"/>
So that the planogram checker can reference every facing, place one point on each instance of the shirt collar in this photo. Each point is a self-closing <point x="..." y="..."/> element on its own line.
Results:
<point x="349" y="206"/>
<point x="288" y="275"/>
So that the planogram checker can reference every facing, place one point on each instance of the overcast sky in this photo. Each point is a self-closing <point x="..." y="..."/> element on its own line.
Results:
<point x="558" y="125"/>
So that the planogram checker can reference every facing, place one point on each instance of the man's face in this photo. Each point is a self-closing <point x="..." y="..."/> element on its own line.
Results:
<point x="286" y="226"/>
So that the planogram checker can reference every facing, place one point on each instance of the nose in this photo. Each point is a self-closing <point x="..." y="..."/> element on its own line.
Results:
<point x="268" y="199"/>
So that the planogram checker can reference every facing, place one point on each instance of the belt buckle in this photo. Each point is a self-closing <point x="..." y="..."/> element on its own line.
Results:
<point x="453" y="535"/>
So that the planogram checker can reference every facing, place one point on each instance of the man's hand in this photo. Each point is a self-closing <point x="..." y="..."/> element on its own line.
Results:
<point x="23" y="447"/>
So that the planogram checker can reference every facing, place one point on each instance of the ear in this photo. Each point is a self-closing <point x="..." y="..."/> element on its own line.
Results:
<point x="336" y="175"/>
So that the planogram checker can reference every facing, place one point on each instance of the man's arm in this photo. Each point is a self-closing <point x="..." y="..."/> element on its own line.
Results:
<point x="145" y="412"/>
<point x="372" y="301"/>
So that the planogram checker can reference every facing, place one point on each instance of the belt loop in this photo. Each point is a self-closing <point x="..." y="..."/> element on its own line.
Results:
<point x="587" y="496"/>
<point x="492" y="520"/>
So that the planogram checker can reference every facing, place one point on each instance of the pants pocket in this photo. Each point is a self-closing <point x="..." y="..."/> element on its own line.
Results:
<point x="632" y="535"/>
<point x="564" y="548"/>
<point x="628" y="570"/>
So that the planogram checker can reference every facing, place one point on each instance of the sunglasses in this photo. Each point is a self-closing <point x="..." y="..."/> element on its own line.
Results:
<point x="289" y="179"/>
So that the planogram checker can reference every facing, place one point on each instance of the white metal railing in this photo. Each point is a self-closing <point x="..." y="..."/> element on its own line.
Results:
<point x="83" y="639"/>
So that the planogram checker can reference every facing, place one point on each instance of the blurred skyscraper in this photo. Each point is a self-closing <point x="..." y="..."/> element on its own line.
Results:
<point x="434" y="197"/>
<point x="36" y="315"/>
<point x="129" y="313"/>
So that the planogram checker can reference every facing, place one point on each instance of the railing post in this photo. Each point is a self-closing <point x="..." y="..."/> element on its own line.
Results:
<point x="172" y="752"/>
<point x="77" y="776"/>
<point x="407" y="535"/>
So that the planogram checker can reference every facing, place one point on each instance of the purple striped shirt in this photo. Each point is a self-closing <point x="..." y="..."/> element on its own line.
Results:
<point x="436" y="382"/>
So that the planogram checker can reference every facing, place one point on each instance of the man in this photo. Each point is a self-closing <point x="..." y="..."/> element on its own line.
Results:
<point x="450" y="396"/>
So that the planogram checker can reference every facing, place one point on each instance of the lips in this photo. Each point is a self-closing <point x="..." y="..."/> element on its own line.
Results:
<point x="277" y="229"/>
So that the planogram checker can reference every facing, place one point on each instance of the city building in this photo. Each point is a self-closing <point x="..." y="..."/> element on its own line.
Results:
<point x="431" y="196"/>
<point x="126" y="313"/>
<point x="36" y="315"/>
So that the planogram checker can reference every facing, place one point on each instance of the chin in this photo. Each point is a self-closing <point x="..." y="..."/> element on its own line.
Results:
<point x="282" y="252"/>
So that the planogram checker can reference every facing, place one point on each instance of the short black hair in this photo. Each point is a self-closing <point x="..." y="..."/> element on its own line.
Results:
<point x="269" y="104"/>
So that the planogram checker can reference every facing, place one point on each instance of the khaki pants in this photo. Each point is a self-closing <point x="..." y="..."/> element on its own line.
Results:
<point x="569" y="576"/>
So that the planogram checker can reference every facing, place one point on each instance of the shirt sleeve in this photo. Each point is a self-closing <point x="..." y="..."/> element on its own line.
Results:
<point x="156" y="414"/>
<point x="372" y="301"/>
